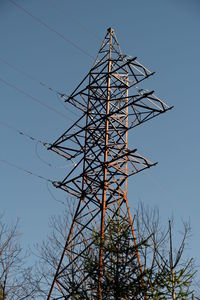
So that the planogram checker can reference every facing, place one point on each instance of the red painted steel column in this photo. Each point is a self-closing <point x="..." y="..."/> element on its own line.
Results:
<point x="103" y="208"/>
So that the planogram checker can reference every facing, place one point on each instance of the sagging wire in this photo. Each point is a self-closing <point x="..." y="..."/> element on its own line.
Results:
<point x="37" y="142"/>
<point x="60" y="95"/>
<point x="153" y="179"/>
<point x="82" y="26"/>
<point x="52" y="195"/>
<point x="47" y="163"/>
<point x="33" y="98"/>
<point x="38" y="156"/>
<point x="47" y="180"/>
<point x="19" y="70"/>
<point x="26" y="171"/>
<point x="22" y="133"/>
<point x="44" y="24"/>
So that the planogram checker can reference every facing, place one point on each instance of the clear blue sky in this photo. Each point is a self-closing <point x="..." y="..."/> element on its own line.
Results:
<point x="164" y="35"/>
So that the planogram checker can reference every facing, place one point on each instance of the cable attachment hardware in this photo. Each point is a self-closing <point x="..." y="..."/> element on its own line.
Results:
<point x="47" y="145"/>
<point x="57" y="184"/>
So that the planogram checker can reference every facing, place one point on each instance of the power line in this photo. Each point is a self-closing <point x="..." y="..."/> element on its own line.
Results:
<point x="33" y="98"/>
<point x="51" y="28"/>
<point x="37" y="141"/>
<point x="27" y="75"/>
<point x="33" y="139"/>
<point x="25" y="170"/>
<point x="35" y="175"/>
<point x="83" y="27"/>
<point x="59" y="95"/>
<point x="52" y="195"/>
<point x="22" y="133"/>
<point x="49" y="164"/>
<point x="17" y="69"/>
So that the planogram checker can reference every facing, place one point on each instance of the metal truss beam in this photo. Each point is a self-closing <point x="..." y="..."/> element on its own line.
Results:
<point x="111" y="104"/>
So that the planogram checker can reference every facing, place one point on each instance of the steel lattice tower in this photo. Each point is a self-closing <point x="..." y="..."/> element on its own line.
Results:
<point x="110" y="103"/>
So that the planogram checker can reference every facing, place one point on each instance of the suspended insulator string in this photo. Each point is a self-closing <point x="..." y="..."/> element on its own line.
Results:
<point x="41" y="22"/>
<point x="25" y="170"/>
<point x="52" y="195"/>
<point x="33" y="98"/>
<point x="29" y="76"/>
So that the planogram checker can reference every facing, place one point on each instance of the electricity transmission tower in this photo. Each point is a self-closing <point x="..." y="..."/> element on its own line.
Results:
<point x="111" y="104"/>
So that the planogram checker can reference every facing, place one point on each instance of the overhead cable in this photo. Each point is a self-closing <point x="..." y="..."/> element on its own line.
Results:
<point x="33" y="98"/>
<point x="37" y="141"/>
<point x="35" y="175"/>
<point x="20" y="132"/>
<point x="82" y="26"/>
<point x="50" y="164"/>
<point x="52" y="195"/>
<point x="50" y="28"/>
<point x="25" y="170"/>
<point x="27" y="75"/>
<point x="59" y="95"/>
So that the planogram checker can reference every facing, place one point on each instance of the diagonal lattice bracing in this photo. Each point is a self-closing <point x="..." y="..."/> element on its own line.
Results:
<point x="110" y="104"/>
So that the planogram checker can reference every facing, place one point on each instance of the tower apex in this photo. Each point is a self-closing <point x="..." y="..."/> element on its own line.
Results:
<point x="110" y="30"/>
